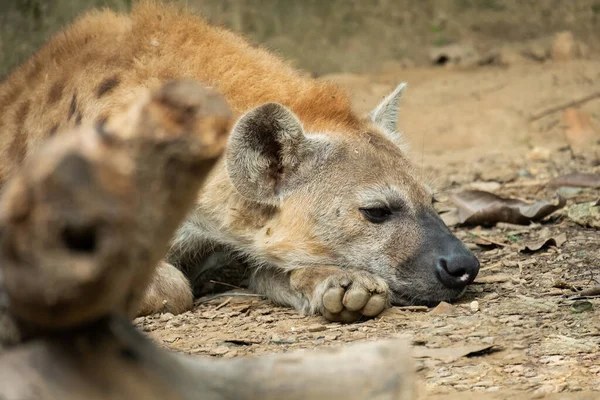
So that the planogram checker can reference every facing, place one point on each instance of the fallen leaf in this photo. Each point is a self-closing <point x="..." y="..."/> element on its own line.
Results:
<point x="576" y="179"/>
<point x="450" y="218"/>
<point x="476" y="207"/>
<point x="542" y="244"/>
<point x="497" y="278"/>
<point x="581" y="306"/>
<point x="450" y="354"/>
<point x="443" y="309"/>
<point x="485" y="186"/>
<point x="585" y="214"/>
<point x="488" y="243"/>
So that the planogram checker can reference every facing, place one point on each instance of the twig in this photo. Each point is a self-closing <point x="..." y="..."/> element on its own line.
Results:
<point x="485" y="239"/>
<point x="226" y="284"/>
<point x="554" y="109"/>
<point x="493" y="266"/>
<point x="223" y="304"/>
<point x="216" y="296"/>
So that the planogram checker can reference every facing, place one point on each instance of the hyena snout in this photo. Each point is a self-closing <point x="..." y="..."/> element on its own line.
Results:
<point x="458" y="267"/>
<point x="449" y="262"/>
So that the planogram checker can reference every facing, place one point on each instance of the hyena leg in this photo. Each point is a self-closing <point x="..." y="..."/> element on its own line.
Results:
<point x="169" y="291"/>
<point x="339" y="295"/>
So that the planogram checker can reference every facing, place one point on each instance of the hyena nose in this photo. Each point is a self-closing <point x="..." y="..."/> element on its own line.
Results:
<point x="457" y="270"/>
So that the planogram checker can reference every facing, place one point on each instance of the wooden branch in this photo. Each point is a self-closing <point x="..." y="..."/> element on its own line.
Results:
<point x="560" y="107"/>
<point x="112" y="360"/>
<point x="87" y="219"/>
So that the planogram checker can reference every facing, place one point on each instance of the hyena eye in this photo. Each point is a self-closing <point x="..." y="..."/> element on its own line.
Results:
<point x="376" y="214"/>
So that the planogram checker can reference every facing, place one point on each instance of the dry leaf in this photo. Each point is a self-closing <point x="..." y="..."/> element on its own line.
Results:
<point x="497" y="278"/>
<point x="450" y="218"/>
<point x="576" y="179"/>
<point x="477" y="207"/>
<point x="538" y="245"/>
<point x="450" y="354"/>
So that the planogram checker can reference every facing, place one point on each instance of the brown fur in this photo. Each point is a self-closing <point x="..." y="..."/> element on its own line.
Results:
<point x="99" y="63"/>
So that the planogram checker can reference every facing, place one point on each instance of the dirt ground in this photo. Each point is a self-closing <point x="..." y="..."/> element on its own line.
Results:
<point x="517" y="332"/>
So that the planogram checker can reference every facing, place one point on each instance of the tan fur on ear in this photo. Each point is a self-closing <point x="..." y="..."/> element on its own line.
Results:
<point x="385" y="116"/>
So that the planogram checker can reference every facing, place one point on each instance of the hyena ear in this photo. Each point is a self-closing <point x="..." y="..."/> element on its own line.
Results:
<point x="385" y="115"/>
<point x="265" y="150"/>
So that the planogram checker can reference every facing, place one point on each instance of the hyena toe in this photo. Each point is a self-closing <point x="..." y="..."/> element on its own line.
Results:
<point x="354" y="295"/>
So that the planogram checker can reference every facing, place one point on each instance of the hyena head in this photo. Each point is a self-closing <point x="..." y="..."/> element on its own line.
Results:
<point x="347" y="199"/>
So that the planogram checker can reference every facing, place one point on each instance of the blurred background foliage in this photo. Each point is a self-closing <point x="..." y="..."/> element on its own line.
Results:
<point x="325" y="36"/>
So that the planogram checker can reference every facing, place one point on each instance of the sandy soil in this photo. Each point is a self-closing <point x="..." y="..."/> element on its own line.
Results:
<point x="478" y="127"/>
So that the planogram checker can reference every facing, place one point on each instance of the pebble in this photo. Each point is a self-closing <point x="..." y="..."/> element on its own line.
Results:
<point x="166" y="317"/>
<point x="474" y="305"/>
<point x="276" y="339"/>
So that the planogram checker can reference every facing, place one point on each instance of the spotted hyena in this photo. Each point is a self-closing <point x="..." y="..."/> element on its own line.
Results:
<point x="321" y="202"/>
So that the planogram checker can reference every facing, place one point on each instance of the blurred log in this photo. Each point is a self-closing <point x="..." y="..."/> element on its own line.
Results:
<point x="112" y="360"/>
<point x="87" y="219"/>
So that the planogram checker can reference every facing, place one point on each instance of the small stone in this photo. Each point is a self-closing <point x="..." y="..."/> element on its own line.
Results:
<point x="166" y="317"/>
<point x="331" y="337"/>
<point x="539" y="154"/>
<point x="316" y="328"/>
<point x="564" y="47"/>
<point x="276" y="339"/>
<point x="474" y="306"/>
<point x="154" y="43"/>
<point x="176" y="322"/>
<point x="585" y="214"/>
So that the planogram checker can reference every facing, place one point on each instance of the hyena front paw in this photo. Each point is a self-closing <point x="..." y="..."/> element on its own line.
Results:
<point x="353" y="294"/>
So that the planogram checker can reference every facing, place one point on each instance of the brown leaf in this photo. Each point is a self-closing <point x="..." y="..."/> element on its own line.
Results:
<point x="488" y="243"/>
<point x="450" y="354"/>
<point x="576" y="179"/>
<point x="476" y="207"/>
<point x="497" y="278"/>
<point x="450" y="218"/>
<point x="538" y="245"/>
